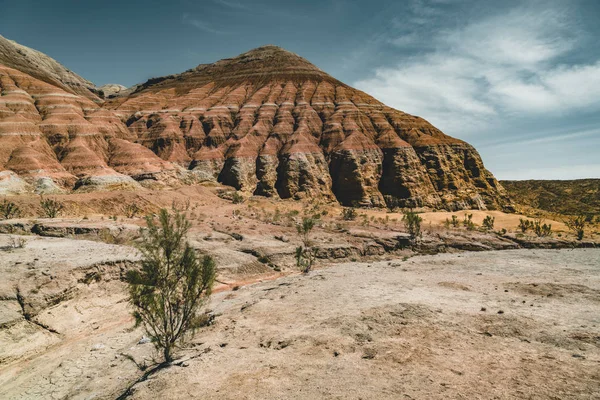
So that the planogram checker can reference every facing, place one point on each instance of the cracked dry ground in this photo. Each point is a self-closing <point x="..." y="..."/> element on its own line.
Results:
<point x="424" y="328"/>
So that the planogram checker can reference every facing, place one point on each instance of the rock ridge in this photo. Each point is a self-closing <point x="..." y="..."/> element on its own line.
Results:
<point x="267" y="122"/>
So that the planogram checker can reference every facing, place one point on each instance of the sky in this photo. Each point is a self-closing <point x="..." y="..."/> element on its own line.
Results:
<point x="519" y="80"/>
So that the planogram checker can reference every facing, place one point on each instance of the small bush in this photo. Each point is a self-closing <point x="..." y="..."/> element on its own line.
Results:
<point x="9" y="210"/>
<point x="237" y="198"/>
<point x="525" y="225"/>
<point x="349" y="214"/>
<point x="577" y="225"/>
<point x="542" y="229"/>
<point x="172" y="285"/>
<point x="131" y="210"/>
<point x="454" y="221"/>
<point x="51" y="207"/>
<point x="488" y="222"/>
<point x="305" y="254"/>
<point x="412" y="223"/>
<point x="468" y="222"/>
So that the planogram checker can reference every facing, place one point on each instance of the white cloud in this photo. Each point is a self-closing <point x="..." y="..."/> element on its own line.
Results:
<point x="503" y="66"/>
<point x="562" y="172"/>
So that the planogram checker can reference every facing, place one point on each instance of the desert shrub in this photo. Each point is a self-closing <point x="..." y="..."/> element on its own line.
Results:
<point x="468" y="222"/>
<point x="577" y="225"/>
<point x="51" y="207"/>
<point x="172" y="285"/>
<point x="488" y="222"/>
<point x="525" y="225"/>
<point x="237" y="198"/>
<point x="412" y="223"/>
<point x="305" y="253"/>
<point x="541" y="229"/>
<point x="184" y="206"/>
<point x="454" y="221"/>
<point x="349" y="214"/>
<point x="9" y="210"/>
<point x="131" y="210"/>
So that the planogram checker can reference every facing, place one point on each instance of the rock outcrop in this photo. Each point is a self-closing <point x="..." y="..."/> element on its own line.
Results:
<point x="266" y="122"/>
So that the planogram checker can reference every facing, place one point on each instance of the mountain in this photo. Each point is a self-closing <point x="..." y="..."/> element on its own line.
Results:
<point x="267" y="122"/>
<point x="568" y="197"/>
<point x="44" y="68"/>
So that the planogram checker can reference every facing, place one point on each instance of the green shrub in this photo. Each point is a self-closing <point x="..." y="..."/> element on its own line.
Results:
<point x="525" y="225"/>
<point x="51" y="207"/>
<point x="305" y="253"/>
<point x="237" y="198"/>
<point x="468" y="222"/>
<point x="577" y="225"/>
<point x="172" y="285"/>
<point x="412" y="223"/>
<point x="349" y="214"/>
<point x="488" y="222"/>
<point x="542" y="229"/>
<point x="9" y="210"/>
<point x="454" y="221"/>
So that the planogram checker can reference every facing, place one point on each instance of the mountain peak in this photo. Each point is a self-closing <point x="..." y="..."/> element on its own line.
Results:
<point x="257" y="66"/>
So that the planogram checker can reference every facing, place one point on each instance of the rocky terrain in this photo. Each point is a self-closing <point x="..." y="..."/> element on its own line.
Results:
<point x="508" y="324"/>
<point x="266" y="122"/>
<point x="372" y="311"/>
<point x="568" y="197"/>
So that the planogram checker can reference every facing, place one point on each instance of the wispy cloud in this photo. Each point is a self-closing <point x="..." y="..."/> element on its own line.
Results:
<point x="202" y="25"/>
<point x="505" y="65"/>
<point x="231" y="4"/>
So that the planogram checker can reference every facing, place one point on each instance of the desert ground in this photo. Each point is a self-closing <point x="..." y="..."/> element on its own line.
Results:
<point x="467" y="314"/>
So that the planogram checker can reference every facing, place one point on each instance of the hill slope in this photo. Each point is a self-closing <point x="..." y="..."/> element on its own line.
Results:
<point x="564" y="197"/>
<point x="267" y="122"/>
<point x="44" y="68"/>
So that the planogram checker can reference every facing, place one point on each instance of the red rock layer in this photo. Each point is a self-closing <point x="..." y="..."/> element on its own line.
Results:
<point x="267" y="122"/>
<point x="50" y="135"/>
<point x="271" y="123"/>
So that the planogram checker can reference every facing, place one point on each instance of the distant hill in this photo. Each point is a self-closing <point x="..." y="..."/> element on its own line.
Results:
<point x="563" y="197"/>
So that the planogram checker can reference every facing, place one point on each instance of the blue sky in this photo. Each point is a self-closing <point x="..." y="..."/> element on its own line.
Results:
<point x="520" y="80"/>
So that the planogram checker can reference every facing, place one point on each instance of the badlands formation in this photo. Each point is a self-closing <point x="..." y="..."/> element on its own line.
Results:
<point x="267" y="122"/>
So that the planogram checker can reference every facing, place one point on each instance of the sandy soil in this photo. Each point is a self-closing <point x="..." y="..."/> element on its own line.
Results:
<point x="390" y="329"/>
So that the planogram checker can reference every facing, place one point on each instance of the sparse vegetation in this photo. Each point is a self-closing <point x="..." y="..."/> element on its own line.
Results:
<point x="452" y="222"/>
<point x="51" y="207"/>
<point x="468" y="222"/>
<point x="525" y="225"/>
<point x="412" y="223"/>
<point x="237" y="198"/>
<point x="488" y="222"/>
<point x="132" y="210"/>
<point x="9" y="210"/>
<point x="305" y="253"/>
<point x="577" y="225"/>
<point x="542" y="229"/>
<point x="349" y="214"/>
<point x="172" y="285"/>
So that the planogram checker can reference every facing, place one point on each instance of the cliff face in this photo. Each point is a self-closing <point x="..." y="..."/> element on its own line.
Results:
<point x="266" y="122"/>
